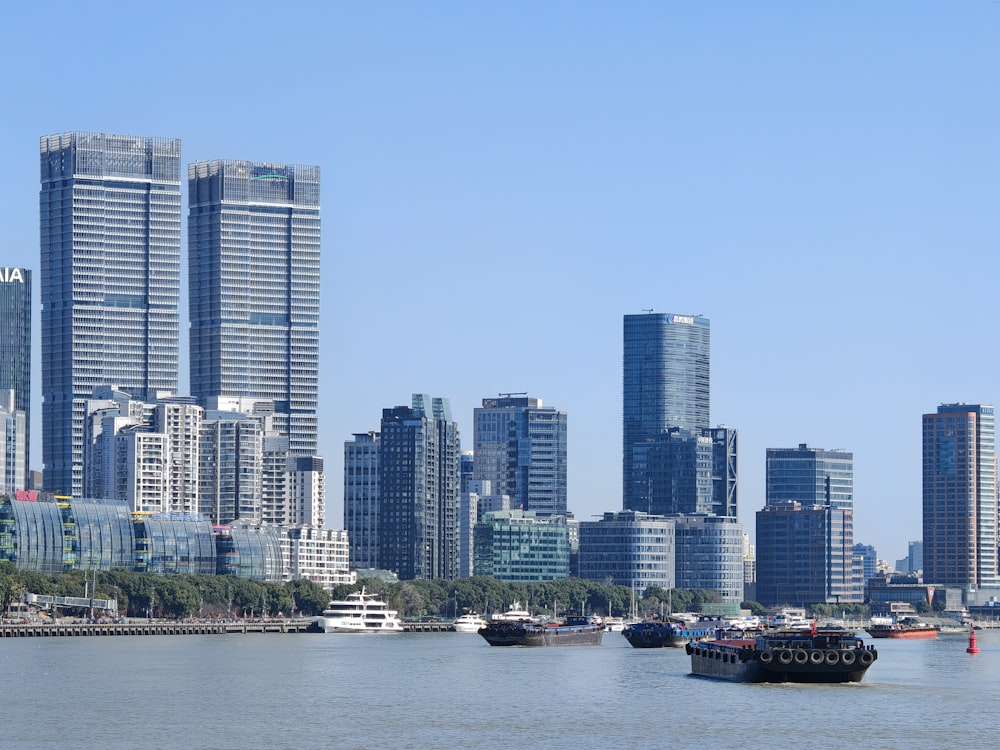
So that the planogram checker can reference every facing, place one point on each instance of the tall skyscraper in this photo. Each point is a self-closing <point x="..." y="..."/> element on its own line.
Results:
<point x="666" y="384"/>
<point x="15" y="348"/>
<point x="811" y="476"/>
<point x="520" y="448"/>
<point x="254" y="252"/>
<point x="960" y="497"/>
<point x="691" y="471"/>
<point x="805" y="555"/>
<point x="110" y="221"/>
<point x="805" y="533"/>
<point x="419" y="481"/>
<point x="361" y="498"/>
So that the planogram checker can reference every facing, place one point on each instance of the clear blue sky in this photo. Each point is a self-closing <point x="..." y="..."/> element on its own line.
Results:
<point x="502" y="182"/>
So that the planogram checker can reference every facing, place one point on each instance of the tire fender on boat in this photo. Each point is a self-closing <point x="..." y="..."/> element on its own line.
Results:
<point x="831" y="657"/>
<point x="785" y="656"/>
<point x="766" y="656"/>
<point x="801" y="656"/>
<point x="815" y="656"/>
<point x="865" y="658"/>
<point x="847" y="658"/>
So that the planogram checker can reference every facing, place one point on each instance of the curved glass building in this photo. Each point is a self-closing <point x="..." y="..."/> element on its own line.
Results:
<point x="92" y="534"/>
<point x="174" y="543"/>
<point x="97" y="534"/>
<point x="31" y="535"/>
<point x="258" y="552"/>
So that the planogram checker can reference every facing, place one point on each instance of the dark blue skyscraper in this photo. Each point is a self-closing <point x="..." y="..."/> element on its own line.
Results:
<point x="805" y="532"/>
<point x="520" y="447"/>
<point x="666" y="385"/>
<point x="418" y="490"/>
<point x="811" y="476"/>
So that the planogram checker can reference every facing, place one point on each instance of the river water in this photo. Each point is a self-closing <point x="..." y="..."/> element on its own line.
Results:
<point x="451" y="690"/>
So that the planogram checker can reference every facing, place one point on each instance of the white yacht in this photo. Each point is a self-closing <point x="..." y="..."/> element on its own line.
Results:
<point x="469" y="623"/>
<point x="515" y="614"/>
<point x="614" y="624"/>
<point x="359" y="613"/>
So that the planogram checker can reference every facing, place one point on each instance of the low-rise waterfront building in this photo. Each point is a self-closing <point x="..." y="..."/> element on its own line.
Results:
<point x="628" y="548"/>
<point x="51" y="537"/>
<point x="517" y="545"/>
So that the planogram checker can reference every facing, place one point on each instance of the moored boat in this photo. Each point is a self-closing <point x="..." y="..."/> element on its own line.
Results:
<point x="516" y="613"/>
<point x="469" y="623"/>
<point x="572" y="631"/>
<point x="908" y="627"/>
<point x="825" y="655"/>
<point x="360" y="612"/>
<point x="614" y="624"/>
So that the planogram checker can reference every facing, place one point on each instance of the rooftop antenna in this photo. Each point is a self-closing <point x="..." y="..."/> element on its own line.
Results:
<point x="647" y="309"/>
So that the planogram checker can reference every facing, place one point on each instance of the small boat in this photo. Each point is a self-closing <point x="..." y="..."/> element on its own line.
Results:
<point x="614" y="624"/>
<point x="516" y="613"/>
<point x="571" y="631"/>
<point x="469" y="623"/>
<point x="824" y="655"/>
<point x="360" y="612"/>
<point x="908" y="627"/>
<point x="663" y="634"/>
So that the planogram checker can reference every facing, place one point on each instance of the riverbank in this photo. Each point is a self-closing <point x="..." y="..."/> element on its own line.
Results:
<point x="50" y="629"/>
<point x="57" y="628"/>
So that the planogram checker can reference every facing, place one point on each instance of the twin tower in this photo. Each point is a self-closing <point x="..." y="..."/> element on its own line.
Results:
<point x="110" y="220"/>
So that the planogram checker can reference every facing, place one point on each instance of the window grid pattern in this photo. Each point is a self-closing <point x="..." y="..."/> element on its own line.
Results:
<point x="254" y="245"/>
<point x="110" y="280"/>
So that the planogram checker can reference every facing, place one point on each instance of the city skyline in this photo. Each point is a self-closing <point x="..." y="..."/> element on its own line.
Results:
<point x="800" y="175"/>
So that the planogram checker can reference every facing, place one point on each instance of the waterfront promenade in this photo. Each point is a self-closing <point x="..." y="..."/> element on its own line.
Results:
<point x="49" y="629"/>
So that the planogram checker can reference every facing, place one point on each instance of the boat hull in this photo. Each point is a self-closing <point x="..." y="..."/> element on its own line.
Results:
<point x="529" y="634"/>
<point x="908" y="633"/>
<point x="790" y="659"/>
<point x="661" y="635"/>
<point x="331" y="625"/>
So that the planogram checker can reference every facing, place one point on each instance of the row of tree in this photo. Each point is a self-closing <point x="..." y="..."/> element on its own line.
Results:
<point x="185" y="596"/>
<point x="168" y="596"/>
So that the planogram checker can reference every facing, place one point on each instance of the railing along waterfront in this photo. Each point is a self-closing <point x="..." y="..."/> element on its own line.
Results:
<point x="49" y="629"/>
<point x="142" y="627"/>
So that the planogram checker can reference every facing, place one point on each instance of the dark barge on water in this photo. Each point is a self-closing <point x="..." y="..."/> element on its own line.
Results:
<point x="572" y="631"/>
<point x="663" y="634"/>
<point x="818" y="655"/>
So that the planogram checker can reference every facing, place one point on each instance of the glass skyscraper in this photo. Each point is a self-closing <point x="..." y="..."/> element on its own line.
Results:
<point x="418" y="479"/>
<point x="960" y="497"/>
<point x="811" y="476"/>
<point x="15" y="346"/>
<point x="520" y="448"/>
<point x="254" y="255"/>
<point x="805" y="532"/>
<point x="110" y="218"/>
<point x="665" y="385"/>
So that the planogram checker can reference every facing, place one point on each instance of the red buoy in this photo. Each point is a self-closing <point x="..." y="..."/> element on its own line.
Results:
<point x="973" y="648"/>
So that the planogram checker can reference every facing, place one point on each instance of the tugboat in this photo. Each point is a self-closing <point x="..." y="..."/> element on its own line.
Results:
<point x="572" y="631"/>
<point x="826" y="655"/>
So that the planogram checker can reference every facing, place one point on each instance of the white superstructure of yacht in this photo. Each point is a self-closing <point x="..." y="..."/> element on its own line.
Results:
<point x="469" y="623"/>
<point x="360" y="612"/>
